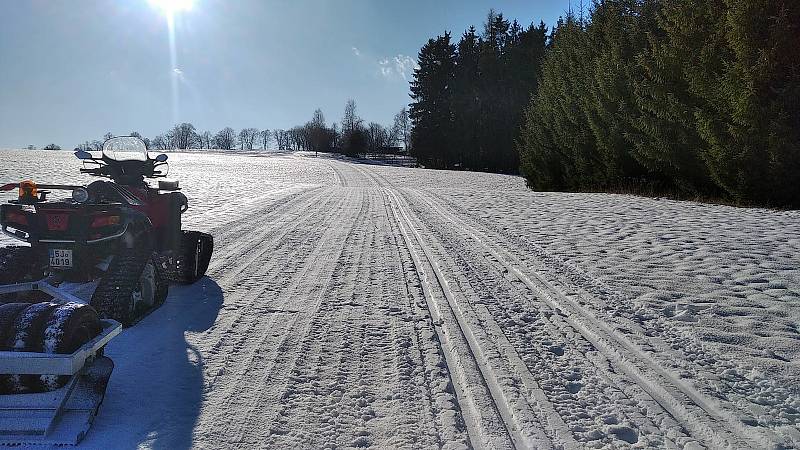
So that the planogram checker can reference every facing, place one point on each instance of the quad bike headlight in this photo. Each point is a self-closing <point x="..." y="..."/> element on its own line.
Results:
<point x="80" y="195"/>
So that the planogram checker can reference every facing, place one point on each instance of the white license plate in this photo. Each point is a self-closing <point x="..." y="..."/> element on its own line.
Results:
<point x="60" y="258"/>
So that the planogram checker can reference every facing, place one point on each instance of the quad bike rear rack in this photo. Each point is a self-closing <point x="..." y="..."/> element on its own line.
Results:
<point x="63" y="416"/>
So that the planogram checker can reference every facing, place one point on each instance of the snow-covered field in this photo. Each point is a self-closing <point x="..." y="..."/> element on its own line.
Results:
<point x="354" y="305"/>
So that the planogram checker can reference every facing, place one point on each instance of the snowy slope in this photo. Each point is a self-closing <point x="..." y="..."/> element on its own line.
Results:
<point x="355" y="305"/>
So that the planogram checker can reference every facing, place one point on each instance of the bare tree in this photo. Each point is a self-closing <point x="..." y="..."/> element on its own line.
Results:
<point x="401" y="130"/>
<point x="184" y="135"/>
<point x="282" y="139"/>
<point x="170" y="140"/>
<point x="265" y="137"/>
<point x="277" y="135"/>
<point x="353" y="133"/>
<point x="204" y="139"/>
<point x="247" y="138"/>
<point x="319" y="135"/>
<point x="335" y="135"/>
<point x="243" y="137"/>
<point x="300" y="137"/>
<point x="225" y="139"/>
<point x="350" y="120"/>
<point x="292" y="138"/>
<point x="377" y="137"/>
<point x="160" y="142"/>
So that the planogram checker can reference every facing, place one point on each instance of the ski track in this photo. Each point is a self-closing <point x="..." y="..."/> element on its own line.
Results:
<point x="661" y="345"/>
<point x="356" y="306"/>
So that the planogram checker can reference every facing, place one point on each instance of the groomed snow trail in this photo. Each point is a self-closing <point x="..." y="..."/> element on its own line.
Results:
<point x="351" y="306"/>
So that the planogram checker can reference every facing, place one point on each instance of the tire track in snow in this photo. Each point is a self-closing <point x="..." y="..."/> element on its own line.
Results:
<point x="312" y="282"/>
<point x="478" y="411"/>
<point x="218" y="218"/>
<point x="317" y="392"/>
<point x="249" y="231"/>
<point x="357" y="383"/>
<point x="267" y="276"/>
<point x="241" y="337"/>
<point x="268" y="371"/>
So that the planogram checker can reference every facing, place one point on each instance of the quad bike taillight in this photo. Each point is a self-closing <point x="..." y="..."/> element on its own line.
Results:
<point x="16" y="218"/>
<point x="105" y="221"/>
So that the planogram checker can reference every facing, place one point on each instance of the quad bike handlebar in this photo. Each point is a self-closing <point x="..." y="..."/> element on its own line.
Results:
<point x="126" y="172"/>
<point x="125" y="160"/>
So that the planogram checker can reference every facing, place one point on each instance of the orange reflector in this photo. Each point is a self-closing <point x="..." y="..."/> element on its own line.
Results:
<point x="27" y="190"/>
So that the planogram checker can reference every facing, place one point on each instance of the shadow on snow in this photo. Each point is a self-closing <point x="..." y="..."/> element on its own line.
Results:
<point x="156" y="390"/>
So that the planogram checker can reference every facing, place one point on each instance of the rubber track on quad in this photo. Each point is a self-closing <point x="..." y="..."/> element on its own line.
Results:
<point x="121" y="279"/>
<point x="182" y="270"/>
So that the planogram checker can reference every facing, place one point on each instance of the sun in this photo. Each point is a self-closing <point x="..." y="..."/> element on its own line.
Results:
<point x="170" y="7"/>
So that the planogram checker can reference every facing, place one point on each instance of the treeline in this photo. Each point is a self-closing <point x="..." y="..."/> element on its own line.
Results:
<point x="46" y="147"/>
<point x="353" y="137"/>
<point x="469" y="96"/>
<point x="692" y="98"/>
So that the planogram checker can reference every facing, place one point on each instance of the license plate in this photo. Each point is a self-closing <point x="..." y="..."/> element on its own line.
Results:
<point x="60" y="257"/>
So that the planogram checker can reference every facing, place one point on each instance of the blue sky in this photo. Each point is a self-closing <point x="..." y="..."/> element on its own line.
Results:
<point x="72" y="70"/>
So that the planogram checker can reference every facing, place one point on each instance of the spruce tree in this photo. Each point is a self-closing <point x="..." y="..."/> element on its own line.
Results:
<point x="494" y="76"/>
<point x="524" y="66"/>
<point x="467" y="148"/>
<point x="615" y="35"/>
<point x="556" y="142"/>
<point x="493" y="87"/>
<point x="431" y="109"/>
<point x="752" y="124"/>
<point x="664" y="135"/>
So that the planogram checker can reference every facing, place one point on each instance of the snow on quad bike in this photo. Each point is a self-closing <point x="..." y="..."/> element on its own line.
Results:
<point x="123" y="239"/>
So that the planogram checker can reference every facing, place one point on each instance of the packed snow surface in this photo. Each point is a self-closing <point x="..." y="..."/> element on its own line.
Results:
<point x="352" y="305"/>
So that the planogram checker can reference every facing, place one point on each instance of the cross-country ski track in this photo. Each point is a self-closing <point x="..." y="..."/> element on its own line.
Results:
<point x="354" y="305"/>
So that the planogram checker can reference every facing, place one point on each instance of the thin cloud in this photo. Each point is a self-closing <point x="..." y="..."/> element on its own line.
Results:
<point x="385" y="67"/>
<point x="178" y="74"/>
<point x="356" y="52"/>
<point x="401" y="66"/>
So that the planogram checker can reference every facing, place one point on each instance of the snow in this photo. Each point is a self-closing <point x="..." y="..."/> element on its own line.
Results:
<point x="353" y="305"/>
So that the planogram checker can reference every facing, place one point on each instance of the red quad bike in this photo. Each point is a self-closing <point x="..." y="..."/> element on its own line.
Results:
<point x="120" y="239"/>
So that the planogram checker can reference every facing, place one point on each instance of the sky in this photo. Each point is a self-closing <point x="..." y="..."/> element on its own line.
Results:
<point x="72" y="70"/>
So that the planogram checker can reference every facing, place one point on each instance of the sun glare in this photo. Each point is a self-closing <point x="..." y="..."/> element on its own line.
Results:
<point x="170" y="7"/>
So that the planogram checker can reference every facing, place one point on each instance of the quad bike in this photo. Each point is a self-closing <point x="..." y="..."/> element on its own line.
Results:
<point x="120" y="238"/>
